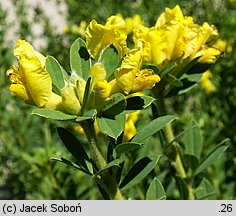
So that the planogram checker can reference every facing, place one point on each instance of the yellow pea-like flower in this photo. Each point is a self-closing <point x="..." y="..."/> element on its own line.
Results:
<point x="208" y="55"/>
<point x="153" y="43"/>
<point x="145" y="79"/>
<point x="133" y="22"/>
<point x="131" y="78"/>
<point x="169" y="16"/>
<point x="130" y="129"/>
<point x="206" y="83"/>
<point x="98" y="37"/>
<point x="30" y="80"/>
<point x="102" y="91"/>
<point x="116" y="23"/>
<point x="201" y="35"/>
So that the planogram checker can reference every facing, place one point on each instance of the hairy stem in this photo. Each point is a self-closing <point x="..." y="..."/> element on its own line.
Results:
<point x="107" y="179"/>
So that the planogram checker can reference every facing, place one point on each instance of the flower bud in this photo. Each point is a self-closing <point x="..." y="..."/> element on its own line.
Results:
<point x="70" y="102"/>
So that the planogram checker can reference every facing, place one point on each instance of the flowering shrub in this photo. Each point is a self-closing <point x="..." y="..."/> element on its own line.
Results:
<point x="103" y="85"/>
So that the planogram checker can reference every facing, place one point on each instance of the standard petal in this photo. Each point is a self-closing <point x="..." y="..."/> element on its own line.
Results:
<point x="97" y="38"/>
<point x="37" y="80"/>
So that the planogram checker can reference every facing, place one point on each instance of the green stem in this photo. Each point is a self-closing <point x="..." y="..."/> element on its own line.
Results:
<point x="106" y="180"/>
<point x="176" y="161"/>
<point x="96" y="155"/>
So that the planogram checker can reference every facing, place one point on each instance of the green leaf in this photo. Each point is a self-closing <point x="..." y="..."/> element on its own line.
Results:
<point x="156" y="191"/>
<point x="127" y="146"/>
<point x="74" y="147"/>
<point x="168" y="69"/>
<point x="109" y="165"/>
<point x="173" y="81"/>
<point x="182" y="187"/>
<point x="138" y="102"/>
<point x="212" y="156"/>
<point x="193" y="77"/>
<point x="188" y="66"/>
<point x="139" y="171"/>
<point x="199" y="68"/>
<point x="186" y="87"/>
<point x="191" y="161"/>
<point x="70" y="163"/>
<point x="56" y="72"/>
<point x="112" y="127"/>
<point x="114" y="106"/>
<point x="80" y="61"/>
<point x="53" y="114"/>
<point x="152" y="67"/>
<point x="193" y="140"/>
<point x="86" y="94"/>
<point x="91" y="114"/>
<point x="153" y="127"/>
<point x="110" y="60"/>
<point x="205" y="191"/>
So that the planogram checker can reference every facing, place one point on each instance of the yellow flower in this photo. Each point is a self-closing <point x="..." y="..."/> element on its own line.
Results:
<point x="153" y="43"/>
<point x="185" y="39"/>
<point x="30" y="80"/>
<point x="130" y="129"/>
<point x="169" y="16"/>
<point x="116" y="23"/>
<point x="222" y="45"/>
<point x="81" y="28"/>
<point x="200" y="36"/>
<point x="132" y="23"/>
<point x="208" y="55"/>
<point x="206" y="83"/>
<point x="98" y="37"/>
<point x="176" y="38"/>
<point x="102" y="91"/>
<point x="100" y="88"/>
<point x="131" y="78"/>
<point x="98" y="73"/>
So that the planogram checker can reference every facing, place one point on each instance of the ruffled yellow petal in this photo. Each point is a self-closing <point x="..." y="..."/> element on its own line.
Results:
<point x="98" y="37"/>
<point x="209" y="55"/>
<point x="131" y="78"/>
<point x="116" y="23"/>
<point x="133" y="22"/>
<point x="198" y="37"/>
<point x="102" y="90"/>
<point x="153" y="42"/>
<point x="125" y="75"/>
<point x="125" y="79"/>
<point x="170" y="15"/>
<point x="145" y="79"/>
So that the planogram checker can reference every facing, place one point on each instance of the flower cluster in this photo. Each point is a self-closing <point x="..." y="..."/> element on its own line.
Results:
<point x="174" y="38"/>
